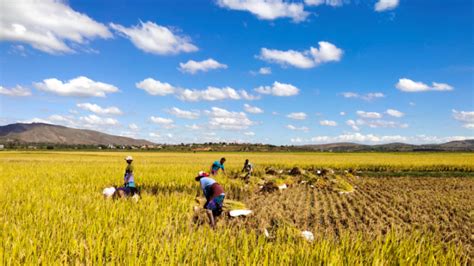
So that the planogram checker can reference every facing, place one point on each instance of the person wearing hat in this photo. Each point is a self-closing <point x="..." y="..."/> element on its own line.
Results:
<point x="214" y="194"/>
<point x="129" y="180"/>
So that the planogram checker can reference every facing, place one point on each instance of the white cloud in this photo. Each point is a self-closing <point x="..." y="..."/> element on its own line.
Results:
<point x="370" y="115"/>
<point x="155" y="87"/>
<point x="297" y="116"/>
<point x="48" y="25"/>
<point x="333" y="3"/>
<point x="284" y="58"/>
<point x="342" y="113"/>
<point x="156" y="39"/>
<point x="294" y="128"/>
<point x="394" y="113"/>
<point x="465" y="117"/>
<point x="112" y="110"/>
<point x="268" y="9"/>
<point x="133" y="127"/>
<point x="352" y="124"/>
<point x="213" y="94"/>
<point x="193" y="67"/>
<point x="222" y="119"/>
<point x="381" y="123"/>
<point x="98" y="121"/>
<point x="360" y="138"/>
<point x="249" y="133"/>
<point x="252" y="109"/>
<point x="17" y="91"/>
<point x="265" y="71"/>
<point x="327" y="52"/>
<point x="161" y="120"/>
<point x="441" y="87"/>
<point x="366" y="97"/>
<point x="328" y="123"/>
<point x="80" y="87"/>
<point x="408" y="85"/>
<point x="384" y="5"/>
<point x="184" y="113"/>
<point x="278" y="89"/>
<point x="194" y="127"/>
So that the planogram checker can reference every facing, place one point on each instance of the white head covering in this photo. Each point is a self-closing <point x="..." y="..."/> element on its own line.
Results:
<point x="129" y="158"/>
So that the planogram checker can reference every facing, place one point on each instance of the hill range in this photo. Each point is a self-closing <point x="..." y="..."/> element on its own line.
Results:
<point x="41" y="133"/>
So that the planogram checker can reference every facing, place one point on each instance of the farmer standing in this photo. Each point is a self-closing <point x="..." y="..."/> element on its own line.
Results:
<point x="218" y="165"/>
<point x="214" y="194"/>
<point x="129" y="180"/>
<point x="248" y="168"/>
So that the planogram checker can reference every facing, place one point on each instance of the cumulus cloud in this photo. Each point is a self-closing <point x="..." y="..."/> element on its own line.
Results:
<point x="156" y="39"/>
<point x="328" y="123"/>
<point x="297" y="116"/>
<point x="80" y="87"/>
<point x="158" y="88"/>
<point x="48" y="25"/>
<point x="252" y="109"/>
<point x="371" y="115"/>
<point x="161" y="120"/>
<point x="360" y="138"/>
<point x="112" y="110"/>
<point x="366" y="97"/>
<point x="268" y="9"/>
<point x="193" y="67"/>
<point x="352" y="124"/>
<point x="265" y="71"/>
<point x="394" y="113"/>
<point x="465" y="117"/>
<point x="98" y="121"/>
<point x="155" y="87"/>
<point x="295" y="128"/>
<point x="223" y="119"/>
<point x="184" y="113"/>
<point x="327" y="52"/>
<point x="133" y="127"/>
<point x="333" y="3"/>
<point x="408" y="85"/>
<point x="385" y="5"/>
<point x="278" y="89"/>
<point x="213" y="94"/>
<point x="17" y="91"/>
<point x="249" y="133"/>
<point x="342" y="113"/>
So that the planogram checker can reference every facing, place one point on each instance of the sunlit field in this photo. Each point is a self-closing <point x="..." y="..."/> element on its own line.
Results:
<point x="406" y="208"/>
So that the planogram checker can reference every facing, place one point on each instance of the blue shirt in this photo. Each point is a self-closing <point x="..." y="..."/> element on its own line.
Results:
<point x="217" y="165"/>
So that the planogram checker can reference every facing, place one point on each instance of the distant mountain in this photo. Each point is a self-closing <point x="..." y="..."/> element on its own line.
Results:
<point x="54" y="134"/>
<point x="41" y="133"/>
<point x="461" y="145"/>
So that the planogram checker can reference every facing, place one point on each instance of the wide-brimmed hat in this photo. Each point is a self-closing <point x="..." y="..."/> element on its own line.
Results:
<point x="128" y="158"/>
<point x="202" y="174"/>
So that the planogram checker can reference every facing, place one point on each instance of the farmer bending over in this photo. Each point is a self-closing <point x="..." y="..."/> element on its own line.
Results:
<point x="129" y="187"/>
<point x="218" y="165"/>
<point x="214" y="194"/>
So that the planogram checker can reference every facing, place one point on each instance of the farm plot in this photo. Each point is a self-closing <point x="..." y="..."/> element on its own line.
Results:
<point x="439" y="207"/>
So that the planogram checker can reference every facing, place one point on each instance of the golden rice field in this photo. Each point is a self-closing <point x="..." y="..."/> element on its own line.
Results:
<point x="406" y="208"/>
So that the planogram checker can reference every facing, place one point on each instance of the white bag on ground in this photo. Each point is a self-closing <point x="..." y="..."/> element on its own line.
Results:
<point x="307" y="235"/>
<point x="236" y="213"/>
<point x="108" y="192"/>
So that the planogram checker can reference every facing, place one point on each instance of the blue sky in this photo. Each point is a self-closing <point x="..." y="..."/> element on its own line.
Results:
<point x="266" y="71"/>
